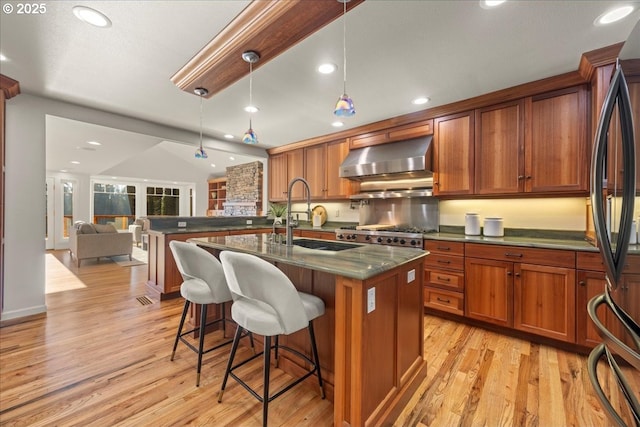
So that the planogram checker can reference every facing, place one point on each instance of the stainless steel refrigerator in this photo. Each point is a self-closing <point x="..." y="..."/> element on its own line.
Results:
<point x="614" y="195"/>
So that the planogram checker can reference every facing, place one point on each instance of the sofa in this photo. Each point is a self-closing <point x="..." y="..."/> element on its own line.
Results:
<point x="88" y="240"/>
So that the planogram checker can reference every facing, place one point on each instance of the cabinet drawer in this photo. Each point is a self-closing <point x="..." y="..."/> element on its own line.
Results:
<point x="446" y="279"/>
<point x="444" y="247"/>
<point x="550" y="257"/>
<point x="448" y="262"/>
<point x="453" y="302"/>
<point x="592" y="261"/>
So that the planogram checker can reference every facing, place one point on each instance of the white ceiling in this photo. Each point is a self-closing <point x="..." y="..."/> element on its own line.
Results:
<point x="396" y="50"/>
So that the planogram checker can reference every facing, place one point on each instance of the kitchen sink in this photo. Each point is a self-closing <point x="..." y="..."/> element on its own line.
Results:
<point x="323" y="245"/>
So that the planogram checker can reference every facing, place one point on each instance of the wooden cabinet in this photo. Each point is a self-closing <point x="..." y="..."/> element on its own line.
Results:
<point x="217" y="196"/>
<point x="499" y="149"/>
<point x="322" y="164"/>
<point x="590" y="284"/>
<point x="454" y="155"/>
<point x="315" y="234"/>
<point x="556" y="142"/>
<point x="392" y="134"/>
<point x="444" y="276"/>
<point x="529" y="289"/>
<point x="544" y="300"/>
<point x="283" y="167"/>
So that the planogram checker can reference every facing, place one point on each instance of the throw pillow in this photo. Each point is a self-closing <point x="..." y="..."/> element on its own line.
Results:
<point x="105" y="228"/>
<point x="86" y="228"/>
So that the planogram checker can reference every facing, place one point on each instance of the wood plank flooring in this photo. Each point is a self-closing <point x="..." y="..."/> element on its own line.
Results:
<point x="101" y="358"/>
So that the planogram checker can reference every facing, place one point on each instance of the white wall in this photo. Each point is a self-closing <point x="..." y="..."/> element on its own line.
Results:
<point x="24" y="275"/>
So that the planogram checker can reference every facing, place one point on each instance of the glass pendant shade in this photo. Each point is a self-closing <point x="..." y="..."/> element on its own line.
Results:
<point x="200" y="153"/>
<point x="250" y="137"/>
<point x="344" y="106"/>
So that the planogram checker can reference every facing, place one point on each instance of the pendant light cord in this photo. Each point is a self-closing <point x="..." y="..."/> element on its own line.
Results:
<point x="250" y="84"/>
<point x="344" y="46"/>
<point x="201" y="123"/>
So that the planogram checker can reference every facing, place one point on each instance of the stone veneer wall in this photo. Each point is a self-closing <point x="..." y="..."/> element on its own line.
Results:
<point x="244" y="190"/>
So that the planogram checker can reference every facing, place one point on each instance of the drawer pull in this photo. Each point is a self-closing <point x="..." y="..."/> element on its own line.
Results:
<point x="513" y="255"/>
<point x="445" y="279"/>
<point x="444" y="300"/>
<point x="444" y="261"/>
<point x="444" y="248"/>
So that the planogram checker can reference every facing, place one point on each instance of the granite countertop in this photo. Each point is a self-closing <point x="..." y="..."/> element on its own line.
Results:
<point x="363" y="262"/>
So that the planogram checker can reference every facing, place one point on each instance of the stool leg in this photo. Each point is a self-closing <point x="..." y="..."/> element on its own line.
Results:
<point x="184" y="315"/>
<point x="203" y="324"/>
<point x="234" y="347"/>
<point x="253" y="347"/>
<point x="224" y="321"/>
<point x="314" y="349"/>
<point x="276" y="351"/>
<point x="267" y="368"/>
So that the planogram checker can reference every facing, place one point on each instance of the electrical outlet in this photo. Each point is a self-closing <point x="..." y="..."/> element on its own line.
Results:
<point x="411" y="276"/>
<point x="182" y="223"/>
<point x="371" y="299"/>
<point x="249" y="221"/>
<point x="337" y="213"/>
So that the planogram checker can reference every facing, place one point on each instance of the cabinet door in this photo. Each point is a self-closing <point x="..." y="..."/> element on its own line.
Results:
<point x="590" y="284"/>
<point x="627" y="296"/>
<point x="453" y="154"/>
<point x="556" y="157"/>
<point x="614" y="157"/>
<point x="337" y="188"/>
<point x="545" y="301"/>
<point x="499" y="149"/>
<point x="315" y="170"/>
<point x="489" y="291"/>
<point x="278" y="177"/>
<point x="295" y="168"/>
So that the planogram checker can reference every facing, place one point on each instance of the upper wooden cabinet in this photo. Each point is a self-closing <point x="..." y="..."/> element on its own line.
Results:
<point x="453" y="154"/>
<point x="499" y="149"/>
<point x="283" y="168"/>
<point x="393" y="134"/>
<point x="556" y="142"/>
<point x="322" y="164"/>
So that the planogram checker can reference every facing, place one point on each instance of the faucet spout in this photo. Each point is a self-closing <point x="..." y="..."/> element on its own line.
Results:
<point x="290" y="221"/>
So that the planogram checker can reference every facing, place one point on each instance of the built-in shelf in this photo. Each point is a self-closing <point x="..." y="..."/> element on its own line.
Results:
<point x="217" y="196"/>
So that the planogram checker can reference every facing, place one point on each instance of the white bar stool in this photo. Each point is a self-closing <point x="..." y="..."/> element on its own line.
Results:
<point x="204" y="283"/>
<point x="265" y="302"/>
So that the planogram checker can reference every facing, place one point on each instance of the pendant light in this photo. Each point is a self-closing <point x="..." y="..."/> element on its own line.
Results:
<point x="344" y="106"/>
<point x="251" y="57"/>
<point x="200" y="153"/>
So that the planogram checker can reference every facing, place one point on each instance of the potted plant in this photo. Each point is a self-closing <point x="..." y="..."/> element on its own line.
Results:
<point x="277" y="211"/>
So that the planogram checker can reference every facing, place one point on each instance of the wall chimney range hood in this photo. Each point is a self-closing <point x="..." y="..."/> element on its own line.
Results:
<point x="404" y="159"/>
<point x="399" y="169"/>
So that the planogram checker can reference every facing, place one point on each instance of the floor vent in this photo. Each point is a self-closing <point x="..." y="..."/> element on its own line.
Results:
<point x="145" y="300"/>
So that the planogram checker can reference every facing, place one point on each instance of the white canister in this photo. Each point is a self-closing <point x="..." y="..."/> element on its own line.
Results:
<point x="633" y="239"/>
<point x="472" y="224"/>
<point x="493" y="227"/>
<point x="317" y="221"/>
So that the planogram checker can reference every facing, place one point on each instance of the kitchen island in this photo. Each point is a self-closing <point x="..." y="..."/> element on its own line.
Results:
<point x="370" y="339"/>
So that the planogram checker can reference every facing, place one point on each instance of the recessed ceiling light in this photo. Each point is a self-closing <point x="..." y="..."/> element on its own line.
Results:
<point x="613" y="15"/>
<point x="489" y="4"/>
<point x="251" y="109"/>
<point x="93" y="143"/>
<point x="421" y="100"/>
<point x="327" y="68"/>
<point x="228" y="136"/>
<point x="213" y="165"/>
<point x="75" y="162"/>
<point x="63" y="170"/>
<point x="145" y="180"/>
<point x="337" y="124"/>
<point x="3" y="58"/>
<point x="231" y="158"/>
<point x="114" y="177"/>
<point x="91" y="16"/>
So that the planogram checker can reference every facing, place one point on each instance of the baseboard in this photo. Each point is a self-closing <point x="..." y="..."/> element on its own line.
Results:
<point x="20" y="316"/>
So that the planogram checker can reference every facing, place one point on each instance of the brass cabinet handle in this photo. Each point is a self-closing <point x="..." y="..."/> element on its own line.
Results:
<point x="509" y="273"/>
<point x="528" y="177"/>
<point x="520" y="176"/>
<point x="517" y="274"/>
<point x="443" y="300"/>
<point x="582" y="283"/>
<point x="513" y="255"/>
<point x="445" y="279"/>
<point x="444" y="261"/>
<point x="444" y="248"/>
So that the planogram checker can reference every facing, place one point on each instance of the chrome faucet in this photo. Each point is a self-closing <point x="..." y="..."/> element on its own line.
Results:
<point x="290" y="221"/>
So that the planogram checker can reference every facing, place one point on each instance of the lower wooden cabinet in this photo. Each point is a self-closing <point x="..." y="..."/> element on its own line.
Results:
<point x="444" y="276"/>
<point x="489" y="291"/>
<point x="590" y="284"/>
<point x="545" y="301"/>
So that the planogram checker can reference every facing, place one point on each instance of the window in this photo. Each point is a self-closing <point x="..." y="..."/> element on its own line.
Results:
<point x="115" y="204"/>
<point x="67" y="207"/>
<point x="163" y="201"/>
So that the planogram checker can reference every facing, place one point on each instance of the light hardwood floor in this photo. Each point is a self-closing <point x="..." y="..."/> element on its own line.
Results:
<point x="101" y="358"/>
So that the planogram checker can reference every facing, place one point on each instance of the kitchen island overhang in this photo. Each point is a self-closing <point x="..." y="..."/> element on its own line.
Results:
<point x="371" y="338"/>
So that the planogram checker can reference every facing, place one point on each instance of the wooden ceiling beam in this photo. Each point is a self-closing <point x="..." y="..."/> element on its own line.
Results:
<point x="266" y="27"/>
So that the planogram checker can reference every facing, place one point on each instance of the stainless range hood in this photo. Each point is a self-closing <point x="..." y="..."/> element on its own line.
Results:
<point x="399" y="169"/>
<point x="398" y="160"/>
